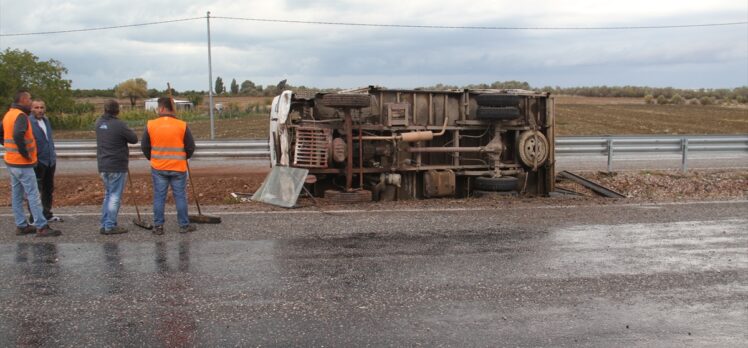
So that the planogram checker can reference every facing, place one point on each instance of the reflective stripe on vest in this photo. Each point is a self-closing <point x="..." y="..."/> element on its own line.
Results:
<point x="26" y="141"/>
<point x="167" y="144"/>
<point x="12" y="155"/>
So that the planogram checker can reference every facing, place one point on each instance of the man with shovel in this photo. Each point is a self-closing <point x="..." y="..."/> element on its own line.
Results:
<point x="112" y="155"/>
<point x="167" y="142"/>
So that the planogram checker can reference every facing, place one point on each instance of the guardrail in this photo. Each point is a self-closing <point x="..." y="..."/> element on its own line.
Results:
<point x="667" y="144"/>
<point x="605" y="145"/>
<point x="204" y="149"/>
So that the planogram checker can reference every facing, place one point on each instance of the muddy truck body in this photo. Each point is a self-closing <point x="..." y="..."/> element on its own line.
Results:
<point x="389" y="144"/>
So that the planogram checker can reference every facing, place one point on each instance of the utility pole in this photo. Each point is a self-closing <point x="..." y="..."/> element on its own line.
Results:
<point x="210" y="83"/>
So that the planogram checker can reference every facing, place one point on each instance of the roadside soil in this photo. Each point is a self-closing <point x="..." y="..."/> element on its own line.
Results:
<point x="215" y="188"/>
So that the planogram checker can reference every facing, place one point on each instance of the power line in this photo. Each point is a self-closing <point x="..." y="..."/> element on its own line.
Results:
<point x="103" y="28"/>
<point x="379" y="25"/>
<point x="350" y="24"/>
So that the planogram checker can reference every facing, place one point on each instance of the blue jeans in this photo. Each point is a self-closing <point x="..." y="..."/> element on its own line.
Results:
<point x="162" y="179"/>
<point x="114" y="184"/>
<point x="23" y="180"/>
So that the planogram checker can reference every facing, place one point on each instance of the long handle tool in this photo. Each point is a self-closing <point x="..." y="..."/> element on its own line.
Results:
<point x="199" y="218"/>
<point x="137" y="222"/>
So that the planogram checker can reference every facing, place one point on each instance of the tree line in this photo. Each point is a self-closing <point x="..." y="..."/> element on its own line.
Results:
<point x="45" y="80"/>
<point x="739" y="94"/>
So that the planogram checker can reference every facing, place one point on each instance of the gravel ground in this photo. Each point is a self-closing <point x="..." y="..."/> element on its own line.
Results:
<point x="216" y="188"/>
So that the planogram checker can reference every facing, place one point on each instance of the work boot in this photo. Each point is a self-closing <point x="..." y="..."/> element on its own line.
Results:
<point x="115" y="230"/>
<point x="158" y="230"/>
<point x="47" y="231"/>
<point x="29" y="229"/>
<point x="187" y="228"/>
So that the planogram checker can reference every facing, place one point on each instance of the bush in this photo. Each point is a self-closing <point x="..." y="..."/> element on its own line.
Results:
<point x="707" y="101"/>
<point x="677" y="100"/>
<point x="230" y="110"/>
<point x="693" y="101"/>
<point x="662" y="100"/>
<point x="649" y="99"/>
<point x="73" y="121"/>
<point x="82" y="108"/>
<point x="195" y="98"/>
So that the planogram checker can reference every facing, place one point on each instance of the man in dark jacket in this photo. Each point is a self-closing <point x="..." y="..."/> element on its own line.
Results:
<point x="112" y="155"/>
<point x="46" y="156"/>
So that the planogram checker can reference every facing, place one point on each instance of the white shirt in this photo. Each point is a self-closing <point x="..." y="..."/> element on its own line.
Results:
<point x="43" y="126"/>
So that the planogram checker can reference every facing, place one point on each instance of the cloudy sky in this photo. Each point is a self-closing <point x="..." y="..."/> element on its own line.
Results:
<point x="353" y="56"/>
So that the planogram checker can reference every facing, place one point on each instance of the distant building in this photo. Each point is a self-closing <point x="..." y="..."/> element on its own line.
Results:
<point x="152" y="104"/>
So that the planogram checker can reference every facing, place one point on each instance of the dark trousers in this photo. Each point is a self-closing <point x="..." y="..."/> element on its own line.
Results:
<point x="45" y="179"/>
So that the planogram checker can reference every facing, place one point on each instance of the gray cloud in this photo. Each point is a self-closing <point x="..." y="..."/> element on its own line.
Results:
<point x="335" y="56"/>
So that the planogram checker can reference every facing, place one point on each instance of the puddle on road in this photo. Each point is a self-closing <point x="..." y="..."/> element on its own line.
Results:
<point x="657" y="247"/>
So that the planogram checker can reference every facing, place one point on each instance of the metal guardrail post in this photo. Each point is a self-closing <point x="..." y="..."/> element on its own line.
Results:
<point x="684" y="149"/>
<point x="610" y="155"/>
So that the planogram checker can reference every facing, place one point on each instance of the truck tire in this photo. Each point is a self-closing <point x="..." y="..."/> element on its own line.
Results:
<point x="503" y="183"/>
<point x="498" y="113"/>
<point x="346" y="100"/>
<point x="497" y="100"/>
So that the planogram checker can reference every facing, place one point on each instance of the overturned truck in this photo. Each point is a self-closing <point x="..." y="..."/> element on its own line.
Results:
<point x="388" y="144"/>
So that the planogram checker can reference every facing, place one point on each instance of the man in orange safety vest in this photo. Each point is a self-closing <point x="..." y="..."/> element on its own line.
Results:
<point x="167" y="142"/>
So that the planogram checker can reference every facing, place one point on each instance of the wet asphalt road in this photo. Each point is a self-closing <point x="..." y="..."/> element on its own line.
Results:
<point x="515" y="275"/>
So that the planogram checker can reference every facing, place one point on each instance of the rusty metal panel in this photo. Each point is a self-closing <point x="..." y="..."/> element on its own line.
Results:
<point x="439" y="183"/>
<point x="398" y="114"/>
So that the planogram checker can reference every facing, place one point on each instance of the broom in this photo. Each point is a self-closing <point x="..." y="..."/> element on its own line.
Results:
<point x="137" y="222"/>
<point x="199" y="218"/>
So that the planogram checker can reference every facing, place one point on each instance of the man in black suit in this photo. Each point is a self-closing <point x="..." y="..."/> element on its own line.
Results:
<point x="46" y="156"/>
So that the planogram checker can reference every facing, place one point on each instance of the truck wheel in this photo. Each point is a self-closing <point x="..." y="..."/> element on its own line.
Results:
<point x="503" y="183"/>
<point x="497" y="100"/>
<point x="346" y="100"/>
<point x="498" y="113"/>
<point x="532" y="148"/>
<point x="360" y="196"/>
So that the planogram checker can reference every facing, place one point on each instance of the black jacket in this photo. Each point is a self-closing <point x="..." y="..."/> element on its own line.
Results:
<point x="112" y="137"/>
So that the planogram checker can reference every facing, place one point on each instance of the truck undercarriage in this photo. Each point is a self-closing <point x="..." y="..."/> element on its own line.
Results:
<point x="389" y="144"/>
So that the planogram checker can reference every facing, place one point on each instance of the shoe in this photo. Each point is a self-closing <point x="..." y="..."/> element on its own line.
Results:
<point x="29" y="229"/>
<point x="187" y="229"/>
<point x="55" y="219"/>
<point x="101" y="230"/>
<point x="158" y="230"/>
<point x="47" y="231"/>
<point x="115" y="230"/>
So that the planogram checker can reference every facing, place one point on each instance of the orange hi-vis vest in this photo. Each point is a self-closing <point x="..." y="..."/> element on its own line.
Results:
<point x="167" y="144"/>
<point x="12" y="156"/>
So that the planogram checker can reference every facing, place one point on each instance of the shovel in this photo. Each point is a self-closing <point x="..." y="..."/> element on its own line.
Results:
<point x="199" y="218"/>
<point x="137" y="222"/>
